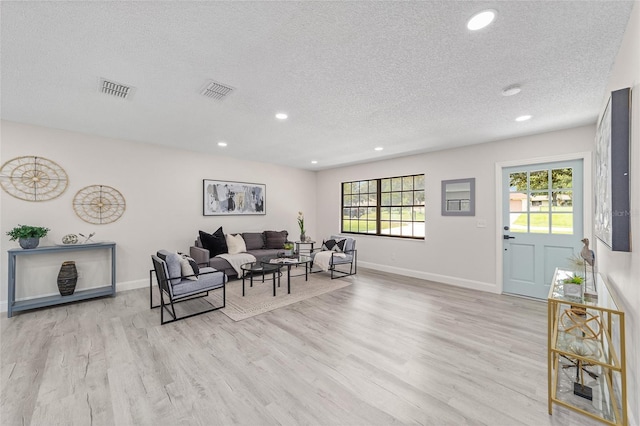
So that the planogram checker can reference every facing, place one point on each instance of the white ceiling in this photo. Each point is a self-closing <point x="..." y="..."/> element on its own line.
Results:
<point x="352" y="76"/>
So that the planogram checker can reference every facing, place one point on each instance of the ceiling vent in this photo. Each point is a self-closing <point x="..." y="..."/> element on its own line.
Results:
<point x="115" y="89"/>
<point x="216" y="90"/>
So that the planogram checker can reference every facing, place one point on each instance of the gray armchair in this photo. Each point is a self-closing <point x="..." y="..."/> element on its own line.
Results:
<point x="175" y="288"/>
<point x="336" y="260"/>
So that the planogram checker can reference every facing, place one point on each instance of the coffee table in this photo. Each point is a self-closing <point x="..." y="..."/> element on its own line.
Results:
<point x="281" y="262"/>
<point x="258" y="268"/>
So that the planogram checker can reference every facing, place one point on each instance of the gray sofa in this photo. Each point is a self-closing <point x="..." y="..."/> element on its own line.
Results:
<point x="257" y="244"/>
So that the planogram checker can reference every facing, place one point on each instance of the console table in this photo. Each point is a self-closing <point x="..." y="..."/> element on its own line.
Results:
<point x="39" y="302"/>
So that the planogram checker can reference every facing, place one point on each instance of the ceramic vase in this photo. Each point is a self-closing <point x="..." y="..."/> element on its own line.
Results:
<point x="67" y="278"/>
<point x="29" y="243"/>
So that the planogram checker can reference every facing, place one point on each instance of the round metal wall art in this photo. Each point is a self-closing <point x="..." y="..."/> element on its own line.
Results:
<point x="33" y="178"/>
<point x="99" y="204"/>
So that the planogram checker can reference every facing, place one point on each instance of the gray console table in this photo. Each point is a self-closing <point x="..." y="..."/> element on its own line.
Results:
<point x="39" y="302"/>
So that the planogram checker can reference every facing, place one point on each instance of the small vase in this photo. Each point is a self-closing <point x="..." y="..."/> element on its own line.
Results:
<point x="29" y="243"/>
<point x="303" y="237"/>
<point x="67" y="278"/>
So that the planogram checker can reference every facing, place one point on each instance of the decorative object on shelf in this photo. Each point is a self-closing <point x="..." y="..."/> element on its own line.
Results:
<point x="88" y="240"/>
<point x="67" y="278"/>
<point x="70" y="239"/>
<point x="589" y="257"/>
<point x="28" y="236"/>
<point x="572" y="286"/>
<point x="221" y="198"/>
<point x="33" y="178"/>
<point x="613" y="200"/>
<point x="303" y="236"/>
<point x="99" y="204"/>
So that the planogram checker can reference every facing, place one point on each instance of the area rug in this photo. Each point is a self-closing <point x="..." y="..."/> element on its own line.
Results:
<point x="259" y="298"/>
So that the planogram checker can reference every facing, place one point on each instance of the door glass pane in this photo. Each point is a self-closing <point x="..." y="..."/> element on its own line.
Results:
<point x="518" y="182"/>
<point x="562" y="201"/>
<point x="539" y="223"/>
<point x="539" y="202"/>
<point x="539" y="180"/>
<point x="517" y="202"/>
<point x="562" y="223"/>
<point x="518" y="222"/>
<point x="562" y="178"/>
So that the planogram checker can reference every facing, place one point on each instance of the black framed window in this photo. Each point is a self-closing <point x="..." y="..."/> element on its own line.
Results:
<point x="387" y="207"/>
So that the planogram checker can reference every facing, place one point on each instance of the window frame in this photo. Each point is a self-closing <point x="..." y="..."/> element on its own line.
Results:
<point x="400" y="194"/>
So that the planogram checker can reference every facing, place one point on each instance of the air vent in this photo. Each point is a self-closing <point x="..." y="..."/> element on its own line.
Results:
<point x="216" y="90"/>
<point x="115" y="89"/>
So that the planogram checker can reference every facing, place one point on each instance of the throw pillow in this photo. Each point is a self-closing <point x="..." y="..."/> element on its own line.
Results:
<point x="186" y="267"/>
<point x="236" y="244"/>
<point x="253" y="240"/>
<point x="216" y="243"/>
<point x="275" y="239"/>
<point x="333" y="245"/>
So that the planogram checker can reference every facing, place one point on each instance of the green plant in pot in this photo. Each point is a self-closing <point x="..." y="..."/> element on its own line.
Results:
<point x="572" y="286"/>
<point x="28" y="236"/>
<point x="288" y="248"/>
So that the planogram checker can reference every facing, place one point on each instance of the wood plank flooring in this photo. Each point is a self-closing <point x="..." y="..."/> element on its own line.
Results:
<point x="386" y="350"/>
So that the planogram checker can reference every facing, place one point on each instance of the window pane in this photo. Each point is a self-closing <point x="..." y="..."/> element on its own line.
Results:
<point x="518" y="182"/>
<point x="562" y="223"/>
<point x="407" y="229"/>
<point x="396" y="228"/>
<point x="539" y="223"/>
<point x="517" y="202"/>
<point x="396" y="198"/>
<point x="407" y="198"/>
<point x="371" y="213"/>
<point x="418" y="197"/>
<point x="385" y="185"/>
<point x="396" y="184"/>
<point x="385" y="199"/>
<point x="407" y="213"/>
<point x="407" y="183"/>
<point x="396" y="213"/>
<point x="373" y="186"/>
<point x="346" y="188"/>
<point x="363" y="186"/>
<point x="373" y="199"/>
<point x="385" y="213"/>
<point x="539" y="180"/>
<point x="346" y="201"/>
<point x="363" y="225"/>
<point x="419" y="214"/>
<point x="363" y="200"/>
<point x="346" y="226"/>
<point x="354" y="187"/>
<point x="418" y="182"/>
<point x="539" y="202"/>
<point x="518" y="222"/>
<point x="562" y="178"/>
<point x="385" y="227"/>
<point x="562" y="201"/>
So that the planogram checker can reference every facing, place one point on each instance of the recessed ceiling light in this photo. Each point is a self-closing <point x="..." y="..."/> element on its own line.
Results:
<point x="281" y="116"/>
<point x="481" y="20"/>
<point x="314" y="162"/>
<point x="511" y="90"/>
<point x="378" y="148"/>
<point x="222" y="144"/>
<point x="523" y="118"/>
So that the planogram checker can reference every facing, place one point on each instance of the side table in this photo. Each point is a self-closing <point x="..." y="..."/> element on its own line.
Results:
<point x="301" y="250"/>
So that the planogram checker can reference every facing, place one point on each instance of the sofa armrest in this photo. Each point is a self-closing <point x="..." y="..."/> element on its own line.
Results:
<point x="200" y="255"/>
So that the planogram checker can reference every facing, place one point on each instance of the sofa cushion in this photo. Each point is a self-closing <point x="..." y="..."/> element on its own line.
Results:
<point x="236" y="244"/>
<point x="189" y="267"/>
<point x="275" y="239"/>
<point x="173" y="265"/>
<point x="216" y="243"/>
<point x="334" y="245"/>
<point x="253" y="240"/>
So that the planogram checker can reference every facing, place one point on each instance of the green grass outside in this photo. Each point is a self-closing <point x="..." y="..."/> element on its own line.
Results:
<point x="387" y="221"/>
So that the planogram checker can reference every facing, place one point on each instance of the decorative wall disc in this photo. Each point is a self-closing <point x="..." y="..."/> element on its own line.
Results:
<point x="33" y="178"/>
<point x="99" y="204"/>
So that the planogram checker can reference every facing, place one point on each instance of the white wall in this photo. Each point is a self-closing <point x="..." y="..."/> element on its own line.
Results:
<point x="622" y="270"/>
<point x="455" y="250"/>
<point x="163" y="192"/>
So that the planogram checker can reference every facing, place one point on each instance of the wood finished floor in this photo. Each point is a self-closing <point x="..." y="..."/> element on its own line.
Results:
<point x="386" y="350"/>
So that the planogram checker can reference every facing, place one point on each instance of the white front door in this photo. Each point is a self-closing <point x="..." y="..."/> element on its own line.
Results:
<point x="542" y="224"/>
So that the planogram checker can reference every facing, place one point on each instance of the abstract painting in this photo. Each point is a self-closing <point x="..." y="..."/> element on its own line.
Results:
<point x="232" y="198"/>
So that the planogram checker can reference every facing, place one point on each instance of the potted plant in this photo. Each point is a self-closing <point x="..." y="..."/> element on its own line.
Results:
<point x="572" y="286"/>
<point x="28" y="236"/>
<point x="288" y="248"/>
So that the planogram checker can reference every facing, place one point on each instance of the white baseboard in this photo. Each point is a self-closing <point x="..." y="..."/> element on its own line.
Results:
<point x="455" y="281"/>
<point x="124" y="286"/>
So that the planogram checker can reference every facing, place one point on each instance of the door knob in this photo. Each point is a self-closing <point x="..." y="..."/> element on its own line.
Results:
<point x="508" y="237"/>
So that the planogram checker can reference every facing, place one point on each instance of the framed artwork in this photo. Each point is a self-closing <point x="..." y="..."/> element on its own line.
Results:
<point x="613" y="203"/>
<point x="220" y="198"/>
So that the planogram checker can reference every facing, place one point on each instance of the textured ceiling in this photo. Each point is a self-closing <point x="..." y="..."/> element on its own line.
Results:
<point x="407" y="76"/>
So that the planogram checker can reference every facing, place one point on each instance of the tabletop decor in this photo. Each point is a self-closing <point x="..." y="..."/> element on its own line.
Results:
<point x="221" y="198"/>
<point x="301" y="225"/>
<point x="67" y="278"/>
<point x="33" y="178"/>
<point x="28" y="236"/>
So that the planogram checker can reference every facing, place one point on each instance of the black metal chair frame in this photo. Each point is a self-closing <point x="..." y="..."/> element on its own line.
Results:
<point x="337" y="273"/>
<point x="163" y="286"/>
